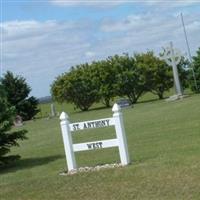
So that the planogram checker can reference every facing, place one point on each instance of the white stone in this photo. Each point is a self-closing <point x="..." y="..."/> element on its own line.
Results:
<point x="53" y="110"/>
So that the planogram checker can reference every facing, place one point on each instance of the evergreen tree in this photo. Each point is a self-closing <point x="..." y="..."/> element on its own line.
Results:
<point x="8" y="138"/>
<point x="17" y="92"/>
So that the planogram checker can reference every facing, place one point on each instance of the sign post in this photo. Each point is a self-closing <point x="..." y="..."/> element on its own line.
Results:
<point x="120" y="131"/>
<point x="119" y="141"/>
<point x="67" y="139"/>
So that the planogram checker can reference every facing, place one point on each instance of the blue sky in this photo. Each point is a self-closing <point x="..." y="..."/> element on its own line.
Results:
<point x="42" y="39"/>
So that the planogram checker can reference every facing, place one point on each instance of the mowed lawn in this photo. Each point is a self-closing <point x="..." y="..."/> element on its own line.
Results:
<point x="164" y="146"/>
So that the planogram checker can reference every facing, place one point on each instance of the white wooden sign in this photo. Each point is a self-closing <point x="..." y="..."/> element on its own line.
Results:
<point x="91" y="124"/>
<point x="119" y="141"/>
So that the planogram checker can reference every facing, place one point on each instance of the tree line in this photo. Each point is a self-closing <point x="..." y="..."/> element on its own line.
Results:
<point x="120" y="75"/>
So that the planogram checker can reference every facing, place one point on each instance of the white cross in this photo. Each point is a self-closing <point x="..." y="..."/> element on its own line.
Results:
<point x="173" y="57"/>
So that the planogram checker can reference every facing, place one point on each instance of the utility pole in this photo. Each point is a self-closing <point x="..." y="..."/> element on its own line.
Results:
<point x="189" y="52"/>
<point x="1" y="41"/>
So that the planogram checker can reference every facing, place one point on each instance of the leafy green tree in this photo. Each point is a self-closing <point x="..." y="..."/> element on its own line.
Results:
<point x="130" y="80"/>
<point x="183" y="72"/>
<point x="59" y="87"/>
<point x="76" y="87"/>
<point x="196" y="66"/>
<point x="17" y="92"/>
<point x="104" y="77"/>
<point x="8" y="138"/>
<point x="157" y="74"/>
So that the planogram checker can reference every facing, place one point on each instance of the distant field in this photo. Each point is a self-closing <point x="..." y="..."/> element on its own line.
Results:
<point x="164" y="145"/>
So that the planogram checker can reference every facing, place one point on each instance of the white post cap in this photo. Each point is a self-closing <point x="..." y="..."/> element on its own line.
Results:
<point x="64" y="116"/>
<point x="116" y="108"/>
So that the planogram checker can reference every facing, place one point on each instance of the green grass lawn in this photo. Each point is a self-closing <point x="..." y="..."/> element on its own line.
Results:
<point x="164" y="146"/>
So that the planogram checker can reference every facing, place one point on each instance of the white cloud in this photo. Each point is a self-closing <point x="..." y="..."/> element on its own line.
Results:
<point x="171" y="3"/>
<point x="151" y="31"/>
<point x="130" y="22"/>
<point x="32" y="28"/>
<point x="40" y="51"/>
<point x="105" y="3"/>
<point x="90" y="54"/>
<point x="102" y="3"/>
<point x="149" y="23"/>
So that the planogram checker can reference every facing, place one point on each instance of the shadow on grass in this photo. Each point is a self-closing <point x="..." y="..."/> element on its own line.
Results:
<point x="186" y="95"/>
<point x="99" y="108"/>
<point x="27" y="163"/>
<point x="151" y="100"/>
<point x="77" y="111"/>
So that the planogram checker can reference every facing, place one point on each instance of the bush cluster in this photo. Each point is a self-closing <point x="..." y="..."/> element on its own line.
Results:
<point x="125" y="75"/>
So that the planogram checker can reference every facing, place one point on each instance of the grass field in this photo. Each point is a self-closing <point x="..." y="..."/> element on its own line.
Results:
<point x="164" y="146"/>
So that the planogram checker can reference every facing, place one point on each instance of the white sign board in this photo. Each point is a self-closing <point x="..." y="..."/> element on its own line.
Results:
<point x="100" y="123"/>
<point x="95" y="145"/>
<point x="119" y="141"/>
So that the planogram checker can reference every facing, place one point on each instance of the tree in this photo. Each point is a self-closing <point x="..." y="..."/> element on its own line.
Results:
<point x="130" y="80"/>
<point x="7" y="138"/>
<point x="17" y="92"/>
<point x="157" y="74"/>
<point x="196" y="67"/>
<point x="28" y="108"/>
<point x="77" y="87"/>
<point x="104" y="77"/>
<point x="183" y="72"/>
